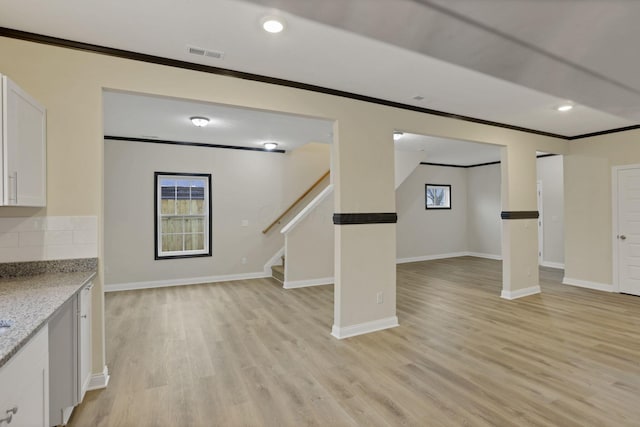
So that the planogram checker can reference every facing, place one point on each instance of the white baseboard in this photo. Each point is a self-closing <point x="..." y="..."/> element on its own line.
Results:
<point x="292" y="284"/>
<point x="100" y="380"/>
<point x="520" y="293"/>
<point x="483" y="255"/>
<point x="587" y="284"/>
<point x="550" y="264"/>
<point x="430" y="257"/>
<point x="182" y="282"/>
<point x="364" y="328"/>
<point x="449" y="255"/>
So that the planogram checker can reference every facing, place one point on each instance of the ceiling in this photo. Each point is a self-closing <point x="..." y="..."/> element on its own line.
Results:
<point x="447" y="151"/>
<point x="153" y="117"/>
<point x="150" y="117"/>
<point x="507" y="62"/>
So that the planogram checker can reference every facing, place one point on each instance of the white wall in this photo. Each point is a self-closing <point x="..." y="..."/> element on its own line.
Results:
<point x="310" y="248"/>
<point x="246" y="185"/>
<point x="478" y="229"/>
<point x="484" y="225"/>
<point x="551" y="173"/>
<point x="424" y="233"/>
<point x="405" y="164"/>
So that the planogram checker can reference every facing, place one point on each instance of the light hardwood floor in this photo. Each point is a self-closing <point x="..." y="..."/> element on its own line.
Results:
<point x="249" y="353"/>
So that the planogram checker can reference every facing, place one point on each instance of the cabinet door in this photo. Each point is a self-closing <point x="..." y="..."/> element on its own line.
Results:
<point x="63" y="361"/>
<point x="24" y="385"/>
<point x="24" y="148"/>
<point x="85" y="341"/>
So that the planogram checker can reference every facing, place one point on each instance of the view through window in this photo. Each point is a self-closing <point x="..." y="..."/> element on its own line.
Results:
<point x="183" y="215"/>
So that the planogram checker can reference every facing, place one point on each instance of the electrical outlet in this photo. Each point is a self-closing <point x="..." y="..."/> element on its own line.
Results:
<point x="245" y="223"/>
<point x="244" y="260"/>
<point x="380" y="298"/>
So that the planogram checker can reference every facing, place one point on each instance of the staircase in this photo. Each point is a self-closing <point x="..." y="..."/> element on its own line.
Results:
<point x="277" y="271"/>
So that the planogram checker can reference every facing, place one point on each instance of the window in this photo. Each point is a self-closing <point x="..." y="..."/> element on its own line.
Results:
<point x="182" y="215"/>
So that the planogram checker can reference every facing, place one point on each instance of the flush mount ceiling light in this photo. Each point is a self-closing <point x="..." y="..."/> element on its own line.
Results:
<point x="397" y="135"/>
<point x="270" y="145"/>
<point x="273" y="25"/>
<point x="565" y="107"/>
<point x="199" y="121"/>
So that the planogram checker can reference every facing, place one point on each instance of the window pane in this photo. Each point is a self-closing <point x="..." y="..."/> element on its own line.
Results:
<point x="194" y="242"/>
<point x="167" y="182"/>
<point x="194" y="225"/>
<point x="172" y="242"/>
<point x="183" y="207"/>
<point x="197" y="207"/>
<point x="173" y="224"/>
<point x="183" y="193"/>
<point x="167" y="207"/>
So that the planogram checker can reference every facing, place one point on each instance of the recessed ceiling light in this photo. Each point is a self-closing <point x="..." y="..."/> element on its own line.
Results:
<point x="270" y="145"/>
<point x="565" y="107"/>
<point x="397" y="135"/>
<point x="199" y="121"/>
<point x="273" y="25"/>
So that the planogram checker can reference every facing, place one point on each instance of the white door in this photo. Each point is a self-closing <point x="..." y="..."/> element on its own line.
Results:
<point x="628" y="232"/>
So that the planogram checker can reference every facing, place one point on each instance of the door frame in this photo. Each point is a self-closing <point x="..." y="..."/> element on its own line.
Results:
<point x="615" y="223"/>
<point x="540" y="224"/>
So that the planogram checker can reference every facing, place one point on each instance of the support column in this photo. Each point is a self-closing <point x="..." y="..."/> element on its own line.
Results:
<point x="519" y="223"/>
<point x="365" y="228"/>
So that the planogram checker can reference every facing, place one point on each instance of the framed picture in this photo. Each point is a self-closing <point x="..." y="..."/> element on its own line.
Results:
<point x="437" y="196"/>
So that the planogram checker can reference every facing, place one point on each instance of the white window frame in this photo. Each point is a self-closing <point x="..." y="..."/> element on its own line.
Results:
<point x="159" y="253"/>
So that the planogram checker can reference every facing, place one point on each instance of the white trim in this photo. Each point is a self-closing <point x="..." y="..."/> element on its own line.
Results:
<point x="183" y="282"/>
<point x="589" y="285"/>
<point x="274" y="260"/>
<point x="520" y="293"/>
<point x="100" y="380"/>
<point x="614" y="228"/>
<point x="292" y="284"/>
<point x="550" y="264"/>
<point x="307" y="209"/>
<point x="483" y="255"/>
<point x="364" y="328"/>
<point x="430" y="257"/>
<point x="540" y="224"/>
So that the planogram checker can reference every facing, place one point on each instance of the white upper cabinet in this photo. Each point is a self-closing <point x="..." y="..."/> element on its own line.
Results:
<point x="23" y="169"/>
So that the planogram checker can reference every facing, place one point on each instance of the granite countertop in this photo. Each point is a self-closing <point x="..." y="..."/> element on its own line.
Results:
<point x="29" y="301"/>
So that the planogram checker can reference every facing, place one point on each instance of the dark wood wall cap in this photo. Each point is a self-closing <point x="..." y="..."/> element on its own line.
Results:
<point x="520" y="214"/>
<point x="365" y="218"/>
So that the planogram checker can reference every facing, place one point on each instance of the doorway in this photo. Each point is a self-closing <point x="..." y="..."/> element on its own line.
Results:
<point x="626" y="218"/>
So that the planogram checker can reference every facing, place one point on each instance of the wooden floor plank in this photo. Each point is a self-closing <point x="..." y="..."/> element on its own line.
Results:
<point x="249" y="353"/>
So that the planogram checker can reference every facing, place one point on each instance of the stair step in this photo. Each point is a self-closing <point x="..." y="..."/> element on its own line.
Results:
<point x="277" y="271"/>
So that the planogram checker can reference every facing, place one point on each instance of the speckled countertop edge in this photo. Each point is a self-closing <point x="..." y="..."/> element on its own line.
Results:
<point x="30" y="301"/>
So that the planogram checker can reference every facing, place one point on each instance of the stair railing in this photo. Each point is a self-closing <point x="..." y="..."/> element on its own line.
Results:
<point x="294" y="204"/>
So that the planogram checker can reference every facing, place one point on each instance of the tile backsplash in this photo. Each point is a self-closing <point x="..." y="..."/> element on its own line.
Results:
<point x="48" y="238"/>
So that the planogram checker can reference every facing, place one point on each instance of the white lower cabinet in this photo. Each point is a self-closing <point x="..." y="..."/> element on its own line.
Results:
<point x="69" y="356"/>
<point x="84" y="358"/>
<point x="42" y="383"/>
<point x="24" y="385"/>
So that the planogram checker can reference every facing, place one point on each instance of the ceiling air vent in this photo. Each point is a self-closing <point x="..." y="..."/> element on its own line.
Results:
<point x="204" y="52"/>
